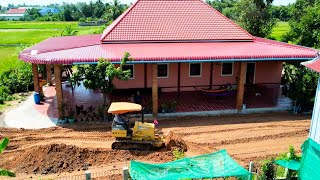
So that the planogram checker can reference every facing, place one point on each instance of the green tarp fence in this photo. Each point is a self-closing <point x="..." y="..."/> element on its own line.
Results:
<point x="309" y="167"/>
<point x="215" y="165"/>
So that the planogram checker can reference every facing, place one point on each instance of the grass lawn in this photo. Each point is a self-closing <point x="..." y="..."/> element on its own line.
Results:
<point x="8" y="58"/>
<point x="281" y="29"/>
<point x="26" y="36"/>
<point x="33" y="36"/>
<point x="35" y="25"/>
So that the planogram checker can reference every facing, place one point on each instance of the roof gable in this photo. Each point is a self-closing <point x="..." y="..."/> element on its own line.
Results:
<point x="173" y="20"/>
<point x="16" y="11"/>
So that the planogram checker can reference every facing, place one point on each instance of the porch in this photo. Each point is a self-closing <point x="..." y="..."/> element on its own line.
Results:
<point x="187" y="102"/>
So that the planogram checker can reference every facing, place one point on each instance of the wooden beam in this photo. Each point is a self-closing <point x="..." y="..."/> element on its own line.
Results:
<point x="35" y="78"/>
<point x="57" y="77"/>
<point x="211" y="74"/>
<point x="49" y="74"/>
<point x="155" y="89"/>
<point x="145" y="77"/>
<point x="240" y="89"/>
<point x="179" y="77"/>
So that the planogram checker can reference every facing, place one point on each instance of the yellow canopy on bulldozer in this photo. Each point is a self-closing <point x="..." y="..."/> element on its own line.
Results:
<point x="124" y="107"/>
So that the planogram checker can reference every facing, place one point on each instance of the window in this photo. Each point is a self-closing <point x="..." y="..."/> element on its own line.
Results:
<point x="129" y="67"/>
<point x="163" y="70"/>
<point x="227" y="69"/>
<point x="195" y="69"/>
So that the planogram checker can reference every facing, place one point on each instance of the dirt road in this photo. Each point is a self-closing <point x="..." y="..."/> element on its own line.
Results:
<point x="67" y="151"/>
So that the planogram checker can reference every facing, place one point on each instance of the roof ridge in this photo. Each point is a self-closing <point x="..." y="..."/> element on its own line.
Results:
<point x="121" y="17"/>
<point x="228" y="19"/>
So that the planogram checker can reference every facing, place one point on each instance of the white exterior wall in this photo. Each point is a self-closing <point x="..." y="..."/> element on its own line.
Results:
<point x="11" y="17"/>
<point x="315" y="122"/>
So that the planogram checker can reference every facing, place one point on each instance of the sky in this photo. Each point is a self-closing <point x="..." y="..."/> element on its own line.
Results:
<point x="45" y="2"/>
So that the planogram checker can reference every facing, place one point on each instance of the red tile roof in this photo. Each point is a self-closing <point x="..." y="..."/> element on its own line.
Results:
<point x="173" y="20"/>
<point x="313" y="64"/>
<point x="16" y="11"/>
<point x="261" y="49"/>
<point x="63" y="43"/>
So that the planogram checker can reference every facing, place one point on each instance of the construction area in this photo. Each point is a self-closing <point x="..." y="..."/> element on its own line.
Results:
<point x="69" y="150"/>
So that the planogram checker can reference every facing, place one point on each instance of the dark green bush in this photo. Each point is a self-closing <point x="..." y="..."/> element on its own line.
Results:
<point x="17" y="79"/>
<point x="1" y="100"/>
<point x="268" y="170"/>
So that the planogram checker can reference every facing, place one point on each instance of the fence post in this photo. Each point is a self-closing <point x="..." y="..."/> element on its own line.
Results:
<point x="251" y="166"/>
<point x="88" y="175"/>
<point x="125" y="173"/>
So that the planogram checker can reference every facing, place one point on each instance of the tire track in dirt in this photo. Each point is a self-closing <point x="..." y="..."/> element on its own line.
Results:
<point x="301" y="133"/>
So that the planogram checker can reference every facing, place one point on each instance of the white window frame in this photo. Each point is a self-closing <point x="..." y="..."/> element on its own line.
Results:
<point x="133" y="68"/>
<point x="222" y="69"/>
<point x="200" y="70"/>
<point x="167" y="70"/>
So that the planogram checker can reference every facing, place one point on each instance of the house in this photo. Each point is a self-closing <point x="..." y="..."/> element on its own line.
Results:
<point x="14" y="14"/>
<point x="48" y="11"/>
<point x="184" y="48"/>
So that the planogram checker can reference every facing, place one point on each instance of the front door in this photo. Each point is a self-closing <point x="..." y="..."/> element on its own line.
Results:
<point x="250" y="74"/>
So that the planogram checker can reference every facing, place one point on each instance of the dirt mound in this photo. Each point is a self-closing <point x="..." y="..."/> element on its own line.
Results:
<point x="56" y="158"/>
<point x="173" y="141"/>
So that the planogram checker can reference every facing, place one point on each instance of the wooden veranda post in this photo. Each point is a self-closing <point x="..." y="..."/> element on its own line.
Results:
<point x="49" y="74"/>
<point x="155" y="89"/>
<point x="35" y="77"/>
<point x="57" y="75"/>
<point x="240" y="89"/>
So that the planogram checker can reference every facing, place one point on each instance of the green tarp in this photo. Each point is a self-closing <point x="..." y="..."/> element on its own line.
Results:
<point x="310" y="162"/>
<point x="290" y="164"/>
<point x="309" y="167"/>
<point x="215" y="165"/>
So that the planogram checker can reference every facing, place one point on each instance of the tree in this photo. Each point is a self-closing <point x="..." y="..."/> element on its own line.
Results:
<point x="101" y="76"/>
<point x="226" y="7"/>
<point x="305" y="23"/>
<point x="114" y="10"/>
<point x="256" y="17"/>
<point x="99" y="9"/>
<point x="302" y="85"/>
<point x="3" y="145"/>
<point x="33" y="13"/>
<point x="67" y="14"/>
<point x="87" y="10"/>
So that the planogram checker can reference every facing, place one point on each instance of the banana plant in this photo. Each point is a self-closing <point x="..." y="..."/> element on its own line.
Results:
<point x="3" y="145"/>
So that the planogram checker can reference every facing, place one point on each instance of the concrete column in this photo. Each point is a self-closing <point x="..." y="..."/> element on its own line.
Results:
<point x="57" y="74"/>
<point x="240" y="89"/>
<point x="49" y="74"/>
<point x="35" y="77"/>
<point x="155" y="89"/>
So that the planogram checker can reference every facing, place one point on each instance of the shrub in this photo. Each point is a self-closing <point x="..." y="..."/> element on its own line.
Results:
<point x="82" y="19"/>
<point x="4" y="93"/>
<point x="17" y="79"/>
<point x="1" y="100"/>
<point x="178" y="154"/>
<point x="268" y="170"/>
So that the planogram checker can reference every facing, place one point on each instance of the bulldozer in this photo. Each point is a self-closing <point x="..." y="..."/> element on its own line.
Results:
<point x="132" y="135"/>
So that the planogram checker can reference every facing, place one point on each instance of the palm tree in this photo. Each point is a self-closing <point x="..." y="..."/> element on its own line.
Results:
<point x="3" y="145"/>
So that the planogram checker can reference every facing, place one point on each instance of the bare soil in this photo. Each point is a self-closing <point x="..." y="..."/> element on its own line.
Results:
<point x="68" y="151"/>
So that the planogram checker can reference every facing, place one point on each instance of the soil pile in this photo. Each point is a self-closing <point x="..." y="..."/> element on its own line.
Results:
<point x="56" y="158"/>
<point x="173" y="141"/>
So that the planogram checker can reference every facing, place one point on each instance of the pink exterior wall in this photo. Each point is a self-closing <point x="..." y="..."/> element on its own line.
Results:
<point x="137" y="82"/>
<point x="266" y="72"/>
